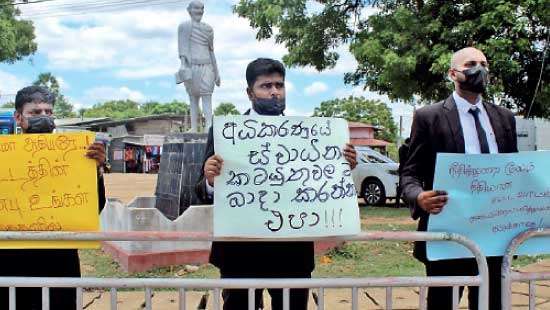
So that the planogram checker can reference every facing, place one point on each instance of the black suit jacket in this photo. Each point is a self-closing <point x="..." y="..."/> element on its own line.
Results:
<point x="255" y="257"/>
<point x="437" y="129"/>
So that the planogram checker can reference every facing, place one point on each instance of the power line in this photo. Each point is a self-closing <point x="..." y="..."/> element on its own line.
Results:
<point x="26" y="2"/>
<point x="62" y="8"/>
<point x="100" y="8"/>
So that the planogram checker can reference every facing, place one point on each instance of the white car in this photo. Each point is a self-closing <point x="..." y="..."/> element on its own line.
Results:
<point x="376" y="176"/>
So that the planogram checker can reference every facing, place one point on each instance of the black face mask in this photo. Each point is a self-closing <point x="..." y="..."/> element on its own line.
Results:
<point x="271" y="106"/>
<point x="40" y="124"/>
<point x="476" y="81"/>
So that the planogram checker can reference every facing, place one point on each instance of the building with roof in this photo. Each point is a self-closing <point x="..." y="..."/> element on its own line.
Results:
<point x="362" y="134"/>
<point x="133" y="145"/>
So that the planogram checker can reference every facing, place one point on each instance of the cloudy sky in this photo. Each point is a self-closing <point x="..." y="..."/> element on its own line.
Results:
<point x="122" y="49"/>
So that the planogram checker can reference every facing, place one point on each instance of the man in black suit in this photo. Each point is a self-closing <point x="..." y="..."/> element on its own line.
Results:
<point x="34" y="114"/>
<point x="266" y="91"/>
<point x="462" y="123"/>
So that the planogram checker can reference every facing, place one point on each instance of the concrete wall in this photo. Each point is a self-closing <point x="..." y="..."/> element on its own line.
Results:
<point x="533" y="134"/>
<point x="151" y="127"/>
<point x="543" y="134"/>
<point x="141" y="215"/>
<point x="361" y="133"/>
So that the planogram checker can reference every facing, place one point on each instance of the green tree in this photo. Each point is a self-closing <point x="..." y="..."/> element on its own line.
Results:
<point x="226" y="108"/>
<point x="16" y="35"/>
<point x="174" y="107"/>
<point x="62" y="107"/>
<point x="81" y="112"/>
<point x="121" y="109"/>
<point x="359" y="109"/>
<point x="117" y="109"/>
<point x="8" y="105"/>
<point x="404" y="48"/>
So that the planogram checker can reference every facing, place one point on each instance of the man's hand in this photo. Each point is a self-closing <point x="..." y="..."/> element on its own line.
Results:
<point x="218" y="80"/>
<point x="213" y="168"/>
<point x="432" y="201"/>
<point x="96" y="152"/>
<point x="351" y="155"/>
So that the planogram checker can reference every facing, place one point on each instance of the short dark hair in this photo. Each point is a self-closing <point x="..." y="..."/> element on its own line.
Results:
<point x="33" y="94"/>
<point x="263" y="66"/>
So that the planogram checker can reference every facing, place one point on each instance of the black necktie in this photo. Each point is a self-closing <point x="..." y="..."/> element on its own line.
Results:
<point x="481" y="136"/>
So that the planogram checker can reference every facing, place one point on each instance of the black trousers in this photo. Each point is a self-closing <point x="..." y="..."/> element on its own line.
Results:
<point x="237" y="299"/>
<point x="31" y="298"/>
<point x="39" y="263"/>
<point x="441" y="298"/>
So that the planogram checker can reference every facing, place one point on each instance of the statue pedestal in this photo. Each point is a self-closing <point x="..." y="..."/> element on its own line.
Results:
<point x="141" y="215"/>
<point x="180" y="168"/>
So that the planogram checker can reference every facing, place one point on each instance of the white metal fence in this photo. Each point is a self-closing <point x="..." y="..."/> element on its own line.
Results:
<point x="216" y="285"/>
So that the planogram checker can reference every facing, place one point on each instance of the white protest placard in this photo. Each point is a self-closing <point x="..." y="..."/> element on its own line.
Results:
<point x="283" y="177"/>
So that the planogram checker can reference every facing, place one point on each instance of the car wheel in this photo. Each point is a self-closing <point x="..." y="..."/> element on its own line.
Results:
<point x="373" y="192"/>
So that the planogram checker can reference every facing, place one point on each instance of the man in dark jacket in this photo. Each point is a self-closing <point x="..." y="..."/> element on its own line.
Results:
<point x="34" y="114"/>
<point x="462" y="123"/>
<point x="266" y="91"/>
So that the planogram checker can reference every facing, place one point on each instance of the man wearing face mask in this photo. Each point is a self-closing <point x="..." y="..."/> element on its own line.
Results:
<point x="266" y="91"/>
<point x="463" y="123"/>
<point x="34" y="114"/>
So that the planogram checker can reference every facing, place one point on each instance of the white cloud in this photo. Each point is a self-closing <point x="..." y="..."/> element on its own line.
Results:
<point x="358" y="91"/>
<point x="289" y="86"/>
<point x="77" y="104"/>
<point x="63" y="84"/>
<point x="346" y="63"/>
<point x="9" y="85"/>
<point x="104" y="93"/>
<point x="316" y="88"/>
<point x="294" y="112"/>
<point x="142" y="43"/>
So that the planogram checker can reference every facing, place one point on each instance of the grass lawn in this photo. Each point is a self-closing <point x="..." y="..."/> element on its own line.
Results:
<point x="354" y="259"/>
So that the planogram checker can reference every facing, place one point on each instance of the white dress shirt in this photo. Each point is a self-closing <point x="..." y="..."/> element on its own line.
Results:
<point x="467" y="122"/>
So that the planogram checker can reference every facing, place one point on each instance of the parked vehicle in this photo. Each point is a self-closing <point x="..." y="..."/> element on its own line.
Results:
<point x="376" y="176"/>
<point x="7" y="122"/>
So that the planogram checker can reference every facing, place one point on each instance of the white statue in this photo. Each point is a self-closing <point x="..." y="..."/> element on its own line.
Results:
<point x="199" y="71"/>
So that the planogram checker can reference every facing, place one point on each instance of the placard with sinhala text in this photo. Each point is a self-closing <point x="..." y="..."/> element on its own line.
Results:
<point x="283" y="177"/>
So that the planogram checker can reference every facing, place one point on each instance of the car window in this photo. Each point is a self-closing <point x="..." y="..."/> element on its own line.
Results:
<point x="368" y="158"/>
<point x="373" y="157"/>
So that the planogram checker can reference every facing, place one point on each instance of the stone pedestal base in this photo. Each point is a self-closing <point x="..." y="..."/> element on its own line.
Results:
<point x="180" y="168"/>
<point x="144" y="261"/>
<point x="141" y="215"/>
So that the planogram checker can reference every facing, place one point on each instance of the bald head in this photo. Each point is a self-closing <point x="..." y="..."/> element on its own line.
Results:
<point x="196" y="10"/>
<point x="469" y="72"/>
<point x="195" y="4"/>
<point x="465" y="55"/>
